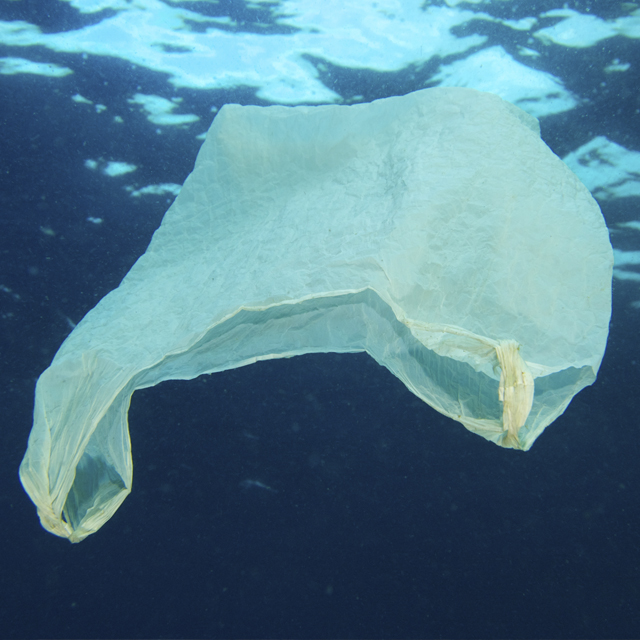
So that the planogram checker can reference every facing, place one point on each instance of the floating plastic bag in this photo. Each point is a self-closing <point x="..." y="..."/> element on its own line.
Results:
<point x="435" y="231"/>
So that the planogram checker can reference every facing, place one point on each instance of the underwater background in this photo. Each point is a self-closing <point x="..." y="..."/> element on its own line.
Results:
<point x="313" y="496"/>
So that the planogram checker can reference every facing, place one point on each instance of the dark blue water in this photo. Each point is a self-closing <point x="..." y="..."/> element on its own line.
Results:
<point x="310" y="497"/>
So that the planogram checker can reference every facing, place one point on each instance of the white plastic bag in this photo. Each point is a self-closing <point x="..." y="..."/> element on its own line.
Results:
<point x="435" y="231"/>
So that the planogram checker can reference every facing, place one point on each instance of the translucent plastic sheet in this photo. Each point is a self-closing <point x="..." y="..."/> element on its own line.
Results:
<point x="435" y="231"/>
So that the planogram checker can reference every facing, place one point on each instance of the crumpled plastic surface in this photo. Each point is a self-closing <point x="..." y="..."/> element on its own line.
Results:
<point x="435" y="231"/>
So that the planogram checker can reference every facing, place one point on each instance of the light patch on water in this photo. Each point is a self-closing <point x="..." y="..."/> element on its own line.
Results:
<point x="159" y="110"/>
<point x="494" y="70"/>
<point x="607" y="169"/>
<point x="81" y="99"/>
<point x="632" y="224"/>
<point x="200" y="52"/>
<point x="624" y="259"/>
<point x="616" y="66"/>
<point x="156" y="190"/>
<point x="114" y="169"/>
<point x="578" y="30"/>
<point x="111" y="168"/>
<point x="14" y="66"/>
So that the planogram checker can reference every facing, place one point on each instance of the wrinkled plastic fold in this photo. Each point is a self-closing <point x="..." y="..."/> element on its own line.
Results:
<point x="434" y="231"/>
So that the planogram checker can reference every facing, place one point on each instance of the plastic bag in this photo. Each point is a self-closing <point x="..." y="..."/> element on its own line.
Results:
<point x="435" y="231"/>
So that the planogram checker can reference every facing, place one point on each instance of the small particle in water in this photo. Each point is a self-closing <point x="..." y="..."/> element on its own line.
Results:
<point x="256" y="484"/>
